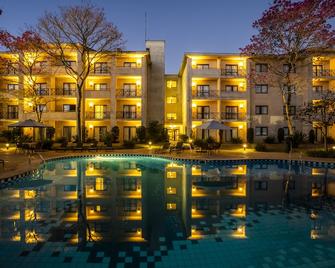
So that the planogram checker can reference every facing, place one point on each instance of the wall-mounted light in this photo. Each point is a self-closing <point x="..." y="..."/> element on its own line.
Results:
<point x="138" y="83"/>
<point x="90" y="83"/>
<point x="241" y="64"/>
<point x="30" y="104"/>
<point x="138" y="104"/>
<point x="91" y="126"/>
<point x="139" y="62"/>
<point x="194" y="84"/>
<point x="241" y="85"/>
<point x="241" y="105"/>
<point x="240" y="126"/>
<point x="194" y="105"/>
<point x="7" y="146"/>
<point x="91" y="104"/>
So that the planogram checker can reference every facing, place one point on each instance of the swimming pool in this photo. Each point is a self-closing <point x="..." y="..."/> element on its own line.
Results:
<point x="145" y="212"/>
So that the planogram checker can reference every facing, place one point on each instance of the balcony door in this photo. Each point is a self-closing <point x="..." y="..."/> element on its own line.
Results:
<point x="202" y="90"/>
<point x="173" y="134"/>
<point x="41" y="89"/>
<point x="129" y="89"/>
<point x="232" y="133"/>
<point x="317" y="70"/>
<point x="231" y="69"/>
<point x="100" y="111"/>
<point x="231" y="112"/>
<point x="203" y="112"/>
<point x="68" y="132"/>
<point x="99" y="133"/>
<point x="69" y="89"/>
<point x="129" y="111"/>
<point x="129" y="133"/>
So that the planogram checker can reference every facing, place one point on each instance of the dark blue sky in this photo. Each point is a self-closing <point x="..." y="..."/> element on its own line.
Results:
<point x="206" y="26"/>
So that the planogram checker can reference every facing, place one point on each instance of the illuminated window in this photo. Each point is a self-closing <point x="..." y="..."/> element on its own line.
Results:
<point x="171" y="100"/>
<point x="171" y="83"/>
<point x="171" y="190"/>
<point x="171" y="174"/>
<point x="171" y="116"/>
<point x="99" y="184"/>
<point x="171" y="206"/>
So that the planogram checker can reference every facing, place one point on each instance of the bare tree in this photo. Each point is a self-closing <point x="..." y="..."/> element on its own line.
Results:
<point x="84" y="30"/>
<point x="26" y="61"/>
<point x="320" y="113"/>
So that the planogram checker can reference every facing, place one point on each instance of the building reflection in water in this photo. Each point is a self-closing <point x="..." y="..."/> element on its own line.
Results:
<point x="131" y="200"/>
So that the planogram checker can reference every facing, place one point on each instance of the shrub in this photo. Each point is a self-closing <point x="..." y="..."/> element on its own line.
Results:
<point x="280" y="135"/>
<point x="50" y="132"/>
<point x="260" y="147"/>
<point x="330" y="140"/>
<point x="321" y="153"/>
<point x="237" y="140"/>
<point x="270" y="140"/>
<point x="311" y="136"/>
<point x="45" y="144"/>
<point x="211" y="143"/>
<point x="183" y="138"/>
<point x="200" y="143"/>
<point x="93" y="141"/>
<point x="63" y="141"/>
<point x="11" y="135"/>
<point x="115" y="132"/>
<point x="250" y="135"/>
<point x="129" y="144"/>
<point x="141" y="134"/>
<point x="108" y="139"/>
<point x="156" y="132"/>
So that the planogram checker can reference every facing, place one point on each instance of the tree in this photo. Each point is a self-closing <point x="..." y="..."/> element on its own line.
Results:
<point x="156" y="132"/>
<point x="141" y="134"/>
<point x="26" y="61"/>
<point x="83" y="30"/>
<point x="289" y="32"/>
<point x="320" y="114"/>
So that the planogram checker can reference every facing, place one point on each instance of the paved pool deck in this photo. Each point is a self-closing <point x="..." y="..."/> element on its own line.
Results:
<point x="18" y="162"/>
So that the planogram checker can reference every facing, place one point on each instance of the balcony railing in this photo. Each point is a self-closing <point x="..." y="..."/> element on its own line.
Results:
<point x="97" y="115"/>
<point x="128" y="115"/>
<point x="101" y="70"/>
<point x="204" y="116"/>
<point x="126" y="93"/>
<point x="199" y="94"/>
<point x="233" y="73"/>
<point x="324" y="73"/>
<point x="65" y="92"/>
<point x="233" y="116"/>
<point x="9" y="115"/>
<point x="9" y="71"/>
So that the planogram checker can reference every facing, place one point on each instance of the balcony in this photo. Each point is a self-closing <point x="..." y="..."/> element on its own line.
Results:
<point x="199" y="94"/>
<point x="129" y="70"/>
<point x="229" y="73"/>
<point x="9" y="115"/>
<point x="102" y="70"/>
<point x="125" y="115"/>
<point x="65" y="92"/>
<point x="9" y="71"/>
<point x="54" y="114"/>
<point x="126" y="93"/>
<point x="324" y="73"/>
<point x="97" y="115"/>
<point x="206" y="72"/>
<point x="233" y="94"/>
<point x="205" y="116"/>
<point x="98" y="93"/>
<point x="233" y="116"/>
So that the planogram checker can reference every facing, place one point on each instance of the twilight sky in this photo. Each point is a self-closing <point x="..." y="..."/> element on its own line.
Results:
<point x="185" y="25"/>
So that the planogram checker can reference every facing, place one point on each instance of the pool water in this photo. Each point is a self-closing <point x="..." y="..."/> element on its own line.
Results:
<point x="151" y="212"/>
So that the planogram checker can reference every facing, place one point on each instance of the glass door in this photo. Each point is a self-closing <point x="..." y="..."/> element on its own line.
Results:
<point x="129" y="111"/>
<point x="100" y="111"/>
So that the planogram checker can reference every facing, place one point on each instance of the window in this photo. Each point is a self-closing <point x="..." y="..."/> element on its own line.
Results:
<point x="171" y="175"/>
<point x="203" y="112"/>
<point x="318" y="89"/>
<point x="99" y="133"/>
<point x="129" y="133"/>
<point x="130" y="64"/>
<point x="69" y="107"/>
<point x="317" y="70"/>
<point x="100" y="184"/>
<point x="171" y="83"/>
<point x="171" y="100"/>
<point x="129" y="89"/>
<point x="232" y="133"/>
<point x="261" y="185"/>
<point x="202" y="66"/>
<point x="129" y="184"/>
<point x="69" y="63"/>
<point x="101" y="86"/>
<point x="202" y="90"/>
<point x="41" y="89"/>
<point x="101" y="67"/>
<point x="289" y="88"/>
<point x="261" y="89"/>
<point x="100" y="111"/>
<point x="13" y="111"/>
<point x="261" y="131"/>
<point x="291" y="110"/>
<point x="231" y="112"/>
<point x="231" y="88"/>
<point x="68" y="132"/>
<point x="129" y="111"/>
<point x="286" y="68"/>
<point x="69" y="89"/>
<point x="13" y="87"/>
<point x="130" y="205"/>
<point x="262" y="67"/>
<point x="41" y="64"/>
<point x="41" y="107"/>
<point x="171" y="116"/>
<point x="261" y="109"/>
<point x="70" y="188"/>
<point x="231" y="69"/>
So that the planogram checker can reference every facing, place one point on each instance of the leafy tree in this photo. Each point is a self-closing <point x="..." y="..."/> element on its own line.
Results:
<point x="141" y="134"/>
<point x="115" y="133"/>
<point x="156" y="132"/>
<point x="250" y="135"/>
<point x="280" y="135"/>
<point x="320" y="113"/>
<point x="84" y="30"/>
<point x="288" y="33"/>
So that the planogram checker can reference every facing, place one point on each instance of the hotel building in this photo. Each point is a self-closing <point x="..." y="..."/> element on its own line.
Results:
<point x="129" y="89"/>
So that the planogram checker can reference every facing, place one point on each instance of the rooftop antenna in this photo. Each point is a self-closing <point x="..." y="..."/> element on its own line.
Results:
<point x="145" y="27"/>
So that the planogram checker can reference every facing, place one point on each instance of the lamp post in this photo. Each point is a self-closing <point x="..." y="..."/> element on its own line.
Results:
<point x="244" y="147"/>
<point x="150" y="143"/>
<point x="7" y="146"/>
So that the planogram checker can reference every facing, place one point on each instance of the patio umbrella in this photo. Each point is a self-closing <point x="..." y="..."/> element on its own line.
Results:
<point x="213" y="125"/>
<point x="28" y="123"/>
